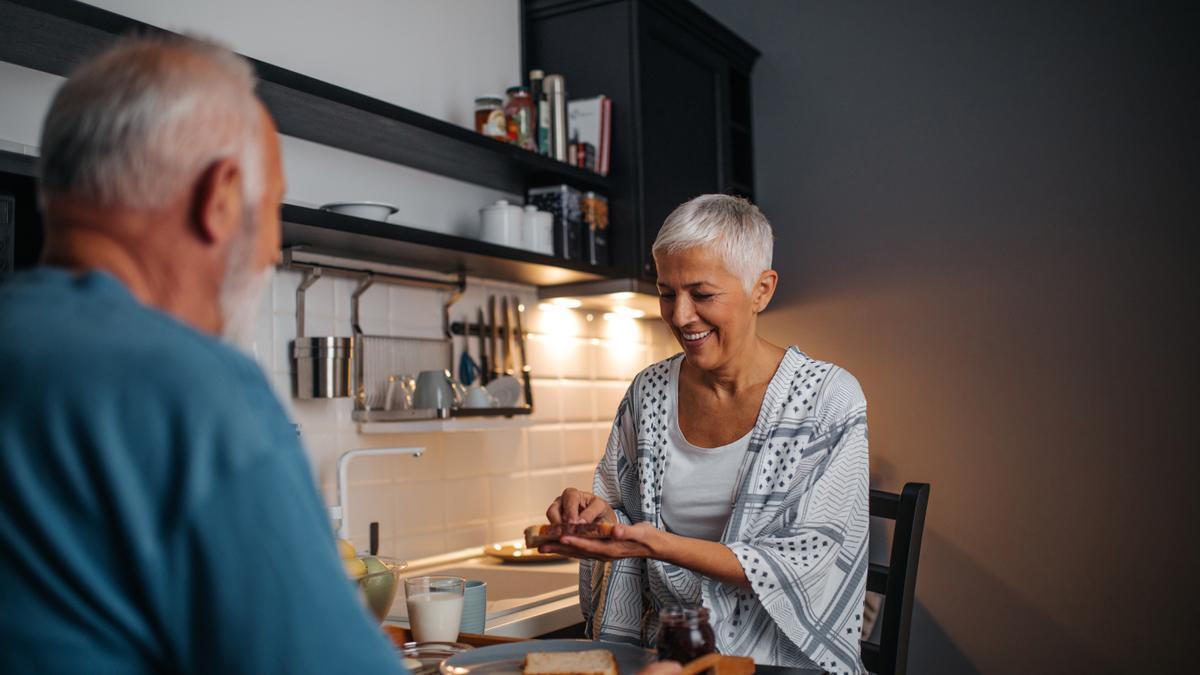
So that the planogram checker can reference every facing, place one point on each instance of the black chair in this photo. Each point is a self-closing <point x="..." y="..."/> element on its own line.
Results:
<point x="897" y="581"/>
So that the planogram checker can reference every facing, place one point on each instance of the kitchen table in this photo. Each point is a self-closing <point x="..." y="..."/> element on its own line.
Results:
<point x="401" y="635"/>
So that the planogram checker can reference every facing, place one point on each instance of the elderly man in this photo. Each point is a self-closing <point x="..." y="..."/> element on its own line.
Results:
<point x="156" y="511"/>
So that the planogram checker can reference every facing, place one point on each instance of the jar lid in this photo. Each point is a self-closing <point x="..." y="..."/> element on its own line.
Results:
<point x="488" y="100"/>
<point x="519" y="89"/>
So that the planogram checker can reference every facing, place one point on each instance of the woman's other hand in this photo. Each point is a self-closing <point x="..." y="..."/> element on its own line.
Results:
<point x="576" y="506"/>
<point x="628" y="541"/>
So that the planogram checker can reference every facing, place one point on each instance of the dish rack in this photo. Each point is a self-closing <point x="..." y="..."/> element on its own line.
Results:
<point x="376" y="358"/>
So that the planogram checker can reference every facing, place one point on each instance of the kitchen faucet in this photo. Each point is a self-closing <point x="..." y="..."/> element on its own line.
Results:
<point x="339" y="511"/>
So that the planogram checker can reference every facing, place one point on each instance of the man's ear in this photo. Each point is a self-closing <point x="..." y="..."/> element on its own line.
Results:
<point x="764" y="290"/>
<point x="218" y="201"/>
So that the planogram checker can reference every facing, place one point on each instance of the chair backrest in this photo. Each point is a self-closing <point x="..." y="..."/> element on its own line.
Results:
<point x="898" y="580"/>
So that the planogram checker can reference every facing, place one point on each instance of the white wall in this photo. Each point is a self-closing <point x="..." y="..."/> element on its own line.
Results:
<point x="433" y="56"/>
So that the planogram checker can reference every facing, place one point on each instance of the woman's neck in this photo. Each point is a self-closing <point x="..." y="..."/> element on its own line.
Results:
<point x="754" y="364"/>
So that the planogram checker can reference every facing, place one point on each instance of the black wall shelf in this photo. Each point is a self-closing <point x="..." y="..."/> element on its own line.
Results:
<point x="54" y="35"/>
<point x="335" y="234"/>
<point x="331" y="233"/>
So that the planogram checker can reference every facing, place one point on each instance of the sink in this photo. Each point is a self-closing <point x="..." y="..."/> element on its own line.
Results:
<point x="511" y="588"/>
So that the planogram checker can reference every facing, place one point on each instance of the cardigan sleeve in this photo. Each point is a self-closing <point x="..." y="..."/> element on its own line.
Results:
<point x="611" y="594"/>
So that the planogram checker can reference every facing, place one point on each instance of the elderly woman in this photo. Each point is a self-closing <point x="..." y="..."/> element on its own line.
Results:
<point x="736" y="472"/>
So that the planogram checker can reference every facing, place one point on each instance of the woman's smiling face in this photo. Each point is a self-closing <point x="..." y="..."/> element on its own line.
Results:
<point x="705" y="305"/>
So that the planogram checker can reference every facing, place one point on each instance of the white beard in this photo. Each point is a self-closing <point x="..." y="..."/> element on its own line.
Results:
<point x="240" y="308"/>
<point x="241" y="294"/>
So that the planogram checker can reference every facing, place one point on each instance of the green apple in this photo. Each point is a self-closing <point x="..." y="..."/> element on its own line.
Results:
<point x="379" y="589"/>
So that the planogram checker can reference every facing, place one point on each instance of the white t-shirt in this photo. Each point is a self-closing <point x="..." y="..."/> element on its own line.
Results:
<point x="697" y="492"/>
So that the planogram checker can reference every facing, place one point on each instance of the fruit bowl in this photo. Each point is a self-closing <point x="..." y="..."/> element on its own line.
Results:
<point x="378" y="586"/>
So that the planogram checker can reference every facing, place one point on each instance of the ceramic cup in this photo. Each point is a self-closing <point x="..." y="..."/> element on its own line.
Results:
<point x="474" y="612"/>
<point x="500" y="224"/>
<point x="478" y="397"/>
<point x="435" y="389"/>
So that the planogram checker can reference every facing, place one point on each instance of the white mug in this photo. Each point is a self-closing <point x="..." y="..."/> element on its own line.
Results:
<point x="500" y="224"/>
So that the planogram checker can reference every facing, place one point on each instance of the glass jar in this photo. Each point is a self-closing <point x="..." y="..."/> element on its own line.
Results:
<point x="489" y="118"/>
<point x="518" y="111"/>
<point x="684" y="633"/>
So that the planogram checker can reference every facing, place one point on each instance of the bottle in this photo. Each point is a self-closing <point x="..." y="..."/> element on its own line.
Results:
<point x="536" y="96"/>
<point x="518" y="111"/>
<point x="489" y="118"/>
<point x="684" y="634"/>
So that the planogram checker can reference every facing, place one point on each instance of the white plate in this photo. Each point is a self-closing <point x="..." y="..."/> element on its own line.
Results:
<point x="506" y="389"/>
<point x="369" y="210"/>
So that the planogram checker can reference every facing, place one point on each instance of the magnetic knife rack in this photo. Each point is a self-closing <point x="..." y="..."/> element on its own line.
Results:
<point x="314" y="270"/>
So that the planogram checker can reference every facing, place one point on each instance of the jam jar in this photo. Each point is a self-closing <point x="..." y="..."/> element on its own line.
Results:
<point x="684" y="634"/>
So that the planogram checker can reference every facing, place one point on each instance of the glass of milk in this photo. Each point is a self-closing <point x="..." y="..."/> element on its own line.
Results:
<point x="435" y="607"/>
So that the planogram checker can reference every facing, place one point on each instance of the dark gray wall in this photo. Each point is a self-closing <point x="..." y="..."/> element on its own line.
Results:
<point x="985" y="211"/>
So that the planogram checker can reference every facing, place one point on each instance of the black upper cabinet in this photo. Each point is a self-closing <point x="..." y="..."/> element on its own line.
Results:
<point x="680" y="85"/>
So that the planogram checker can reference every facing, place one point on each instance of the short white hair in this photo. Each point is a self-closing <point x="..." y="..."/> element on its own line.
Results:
<point x="135" y="125"/>
<point x="732" y="226"/>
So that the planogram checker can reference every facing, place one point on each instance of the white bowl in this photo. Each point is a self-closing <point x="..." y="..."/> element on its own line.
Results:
<point x="369" y="210"/>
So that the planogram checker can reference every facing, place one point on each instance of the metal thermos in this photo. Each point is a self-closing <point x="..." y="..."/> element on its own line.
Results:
<point x="556" y="96"/>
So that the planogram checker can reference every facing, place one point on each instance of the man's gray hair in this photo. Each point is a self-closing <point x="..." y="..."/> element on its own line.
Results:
<point x="732" y="226"/>
<point x="137" y="124"/>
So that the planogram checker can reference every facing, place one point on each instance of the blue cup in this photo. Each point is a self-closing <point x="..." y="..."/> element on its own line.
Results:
<point x="474" y="613"/>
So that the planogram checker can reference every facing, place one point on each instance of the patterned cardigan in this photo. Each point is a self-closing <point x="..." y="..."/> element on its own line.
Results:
<point x="798" y="526"/>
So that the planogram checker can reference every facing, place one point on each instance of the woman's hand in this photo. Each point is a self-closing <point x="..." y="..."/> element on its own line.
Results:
<point x="628" y="541"/>
<point x="576" y="506"/>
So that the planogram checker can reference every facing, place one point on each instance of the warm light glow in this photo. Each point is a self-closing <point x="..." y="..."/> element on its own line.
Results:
<point x="628" y="312"/>
<point x="567" y="303"/>
<point x="623" y="295"/>
<point x="521" y="307"/>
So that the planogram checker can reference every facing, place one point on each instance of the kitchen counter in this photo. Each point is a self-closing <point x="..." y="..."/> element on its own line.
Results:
<point x="524" y="600"/>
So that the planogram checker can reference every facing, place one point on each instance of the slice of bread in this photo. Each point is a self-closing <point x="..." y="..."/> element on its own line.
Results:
<point x="591" y="662"/>
<point x="536" y="535"/>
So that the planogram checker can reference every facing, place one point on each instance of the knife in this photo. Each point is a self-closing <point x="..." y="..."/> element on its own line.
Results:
<point x="495" y="372"/>
<point x="485" y="372"/>
<point x="524" y="361"/>
<point x="508" y="341"/>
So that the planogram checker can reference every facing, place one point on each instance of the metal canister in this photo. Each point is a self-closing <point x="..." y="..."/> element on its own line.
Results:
<point x="322" y="367"/>
<point x="555" y="88"/>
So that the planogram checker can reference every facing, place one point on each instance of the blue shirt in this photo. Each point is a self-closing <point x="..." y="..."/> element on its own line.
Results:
<point x="156" y="511"/>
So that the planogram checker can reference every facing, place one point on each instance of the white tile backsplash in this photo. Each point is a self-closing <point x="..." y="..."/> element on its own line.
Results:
<point x="578" y="445"/>
<point x="509" y="495"/>
<point x="466" y="499"/>
<point x="468" y="488"/>
<point x="545" y="447"/>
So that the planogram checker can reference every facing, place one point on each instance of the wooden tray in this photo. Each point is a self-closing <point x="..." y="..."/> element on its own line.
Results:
<point x="400" y="635"/>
